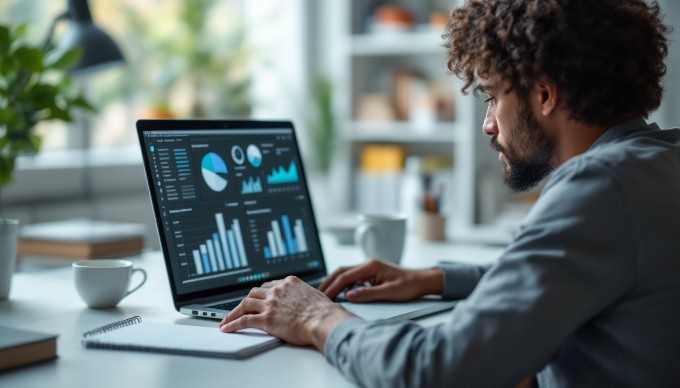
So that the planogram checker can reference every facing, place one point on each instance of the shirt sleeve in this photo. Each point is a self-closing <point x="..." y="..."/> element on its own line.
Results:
<point x="460" y="278"/>
<point x="572" y="258"/>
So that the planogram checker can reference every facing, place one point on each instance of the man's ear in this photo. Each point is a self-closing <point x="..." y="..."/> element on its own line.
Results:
<point x="546" y="95"/>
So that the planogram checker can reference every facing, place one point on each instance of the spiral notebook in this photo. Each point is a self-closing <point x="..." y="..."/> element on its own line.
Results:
<point x="133" y="334"/>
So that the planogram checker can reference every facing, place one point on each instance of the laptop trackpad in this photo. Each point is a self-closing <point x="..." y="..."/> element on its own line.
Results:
<point x="397" y="311"/>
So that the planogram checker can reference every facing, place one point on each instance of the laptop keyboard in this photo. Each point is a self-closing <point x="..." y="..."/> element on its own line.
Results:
<point x="227" y="305"/>
<point x="232" y="304"/>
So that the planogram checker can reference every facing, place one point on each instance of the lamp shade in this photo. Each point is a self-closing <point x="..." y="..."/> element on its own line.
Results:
<point x="98" y="47"/>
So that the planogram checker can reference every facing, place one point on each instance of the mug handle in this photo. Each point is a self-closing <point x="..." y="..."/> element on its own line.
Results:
<point x="143" y="272"/>
<point x="366" y="237"/>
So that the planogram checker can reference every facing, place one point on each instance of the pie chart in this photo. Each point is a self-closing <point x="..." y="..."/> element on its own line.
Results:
<point x="254" y="155"/>
<point x="214" y="171"/>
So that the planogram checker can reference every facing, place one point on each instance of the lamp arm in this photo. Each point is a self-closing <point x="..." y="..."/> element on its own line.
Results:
<point x="50" y="33"/>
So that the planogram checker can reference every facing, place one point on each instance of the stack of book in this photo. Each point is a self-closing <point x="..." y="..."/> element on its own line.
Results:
<point x="20" y="347"/>
<point x="378" y="179"/>
<point x="81" y="239"/>
<point x="383" y="185"/>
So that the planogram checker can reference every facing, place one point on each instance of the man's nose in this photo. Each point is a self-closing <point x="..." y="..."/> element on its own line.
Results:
<point x="490" y="127"/>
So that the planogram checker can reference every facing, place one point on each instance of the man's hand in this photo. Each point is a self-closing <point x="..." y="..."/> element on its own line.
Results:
<point x="388" y="282"/>
<point x="289" y="309"/>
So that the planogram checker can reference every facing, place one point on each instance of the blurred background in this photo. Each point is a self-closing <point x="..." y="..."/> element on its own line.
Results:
<point x="383" y="127"/>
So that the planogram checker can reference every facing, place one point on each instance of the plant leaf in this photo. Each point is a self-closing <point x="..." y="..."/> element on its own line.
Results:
<point x="56" y="113"/>
<point x="20" y="30"/>
<point x="81" y="102"/>
<point x="9" y="117"/>
<point x="59" y="61"/>
<point x="36" y="141"/>
<point x="4" y="40"/>
<point x="6" y="169"/>
<point x="20" y="145"/>
<point x="40" y="96"/>
<point x="29" y="58"/>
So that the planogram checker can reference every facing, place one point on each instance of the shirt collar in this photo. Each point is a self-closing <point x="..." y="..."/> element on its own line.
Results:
<point x="623" y="129"/>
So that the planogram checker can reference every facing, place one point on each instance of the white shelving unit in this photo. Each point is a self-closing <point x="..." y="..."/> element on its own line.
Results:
<point x="362" y="61"/>
<point x="408" y="43"/>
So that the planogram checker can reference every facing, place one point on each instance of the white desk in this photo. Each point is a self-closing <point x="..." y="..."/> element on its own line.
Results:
<point x="47" y="301"/>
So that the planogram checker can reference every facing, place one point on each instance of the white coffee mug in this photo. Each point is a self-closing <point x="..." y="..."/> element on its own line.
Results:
<point x="382" y="236"/>
<point x="9" y="232"/>
<point x="103" y="283"/>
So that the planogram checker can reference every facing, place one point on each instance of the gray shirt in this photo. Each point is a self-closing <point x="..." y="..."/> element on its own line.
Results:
<point x="587" y="295"/>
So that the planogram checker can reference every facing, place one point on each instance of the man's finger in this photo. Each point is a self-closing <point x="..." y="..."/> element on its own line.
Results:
<point x="251" y="305"/>
<point x="244" y="322"/>
<point x="247" y="306"/>
<point x="331" y="278"/>
<point x="233" y="314"/>
<point x="272" y="283"/>
<point x="258" y="293"/>
<point x="353" y="275"/>
<point x="385" y="291"/>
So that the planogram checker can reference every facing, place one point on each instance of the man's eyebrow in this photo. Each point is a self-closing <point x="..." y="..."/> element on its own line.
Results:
<point x="482" y="88"/>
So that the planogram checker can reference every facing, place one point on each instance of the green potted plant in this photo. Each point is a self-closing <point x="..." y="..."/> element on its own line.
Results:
<point x="34" y="87"/>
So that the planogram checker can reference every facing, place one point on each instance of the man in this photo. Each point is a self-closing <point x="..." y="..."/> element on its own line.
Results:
<point x="587" y="293"/>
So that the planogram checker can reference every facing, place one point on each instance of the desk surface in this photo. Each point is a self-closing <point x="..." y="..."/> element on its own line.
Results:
<point x="45" y="300"/>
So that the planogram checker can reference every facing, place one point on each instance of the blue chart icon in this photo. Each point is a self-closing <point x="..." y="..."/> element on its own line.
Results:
<point x="288" y="240"/>
<point x="251" y="186"/>
<point x="254" y="155"/>
<point x="237" y="154"/>
<point x="281" y="175"/>
<point x="223" y="250"/>
<point x="214" y="171"/>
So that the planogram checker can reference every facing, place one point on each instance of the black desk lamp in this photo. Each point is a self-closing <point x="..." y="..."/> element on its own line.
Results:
<point x="98" y="47"/>
<point x="98" y="52"/>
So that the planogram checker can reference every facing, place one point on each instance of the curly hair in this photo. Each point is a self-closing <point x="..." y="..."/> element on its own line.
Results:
<point x="606" y="56"/>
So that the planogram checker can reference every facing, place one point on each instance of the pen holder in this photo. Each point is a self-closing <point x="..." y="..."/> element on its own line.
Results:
<point x="432" y="226"/>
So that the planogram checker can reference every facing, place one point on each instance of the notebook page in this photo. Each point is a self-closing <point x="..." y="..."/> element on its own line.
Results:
<point x="181" y="337"/>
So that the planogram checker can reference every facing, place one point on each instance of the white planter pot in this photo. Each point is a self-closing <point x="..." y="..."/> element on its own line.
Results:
<point x="9" y="233"/>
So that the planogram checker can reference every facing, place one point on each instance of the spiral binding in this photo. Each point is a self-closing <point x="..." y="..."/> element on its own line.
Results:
<point x="113" y="326"/>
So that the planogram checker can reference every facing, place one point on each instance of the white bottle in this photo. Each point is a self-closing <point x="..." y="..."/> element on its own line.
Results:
<point x="412" y="191"/>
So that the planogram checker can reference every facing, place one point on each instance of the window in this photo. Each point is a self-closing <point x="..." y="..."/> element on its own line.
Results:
<point x="183" y="59"/>
<point x="201" y="58"/>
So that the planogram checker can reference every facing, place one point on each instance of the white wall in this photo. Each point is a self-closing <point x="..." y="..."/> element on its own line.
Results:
<point x="281" y="74"/>
<point x="668" y="114"/>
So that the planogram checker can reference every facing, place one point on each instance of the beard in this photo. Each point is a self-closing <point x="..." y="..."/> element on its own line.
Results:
<point x="528" y="152"/>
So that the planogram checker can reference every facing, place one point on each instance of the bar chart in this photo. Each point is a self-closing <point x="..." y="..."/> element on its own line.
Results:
<point x="223" y="250"/>
<point x="285" y="240"/>
<point x="251" y="186"/>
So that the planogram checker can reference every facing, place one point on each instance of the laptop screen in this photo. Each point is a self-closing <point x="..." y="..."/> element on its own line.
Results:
<point x="231" y="202"/>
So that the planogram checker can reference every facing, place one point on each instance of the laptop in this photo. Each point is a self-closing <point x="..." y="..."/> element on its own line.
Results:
<point x="233" y="210"/>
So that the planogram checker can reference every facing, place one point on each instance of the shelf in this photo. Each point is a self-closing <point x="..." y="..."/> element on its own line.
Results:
<point x="402" y="133"/>
<point x="397" y="43"/>
<point x="366" y="64"/>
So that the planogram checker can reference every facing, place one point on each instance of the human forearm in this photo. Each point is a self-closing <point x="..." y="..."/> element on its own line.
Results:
<point x="431" y="281"/>
<point x="320" y="327"/>
<point x="380" y="354"/>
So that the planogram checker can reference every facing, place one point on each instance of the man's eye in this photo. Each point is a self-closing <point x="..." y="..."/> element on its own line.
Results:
<point x="488" y="100"/>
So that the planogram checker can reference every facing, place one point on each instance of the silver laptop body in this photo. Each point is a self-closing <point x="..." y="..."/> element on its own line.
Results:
<point x="233" y="210"/>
